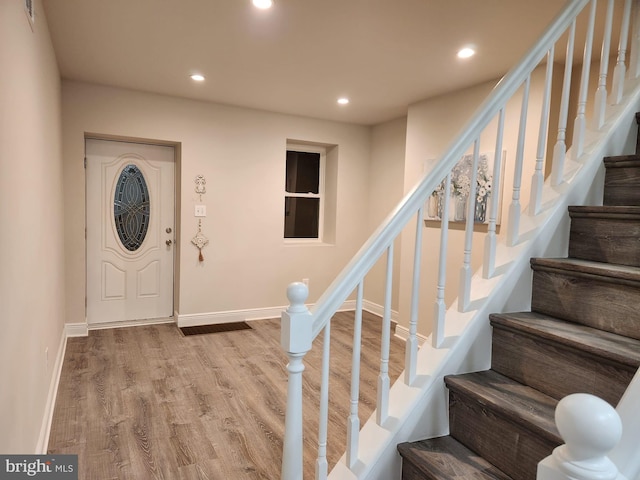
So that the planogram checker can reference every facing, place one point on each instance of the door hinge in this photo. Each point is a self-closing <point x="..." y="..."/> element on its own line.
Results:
<point x="85" y="162"/>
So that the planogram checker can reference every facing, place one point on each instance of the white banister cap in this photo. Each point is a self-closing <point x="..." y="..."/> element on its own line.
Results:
<point x="297" y="293"/>
<point x="589" y="426"/>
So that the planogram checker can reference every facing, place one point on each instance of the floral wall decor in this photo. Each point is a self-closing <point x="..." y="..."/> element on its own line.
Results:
<point x="460" y="190"/>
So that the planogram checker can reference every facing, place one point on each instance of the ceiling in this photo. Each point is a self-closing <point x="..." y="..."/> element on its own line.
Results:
<point x="299" y="56"/>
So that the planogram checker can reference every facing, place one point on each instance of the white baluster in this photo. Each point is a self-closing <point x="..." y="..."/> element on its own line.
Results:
<point x="411" y="352"/>
<point x="440" y="309"/>
<point x="535" y="201"/>
<point x="634" y="48"/>
<point x="600" y="105"/>
<point x="620" y="70"/>
<point x="382" y="408"/>
<point x="513" y="228"/>
<point x="464" y="296"/>
<point x="491" y="240"/>
<point x="580" y="123"/>
<point x="296" y="342"/>
<point x="590" y="428"/>
<point x="322" y="466"/>
<point x="353" y="425"/>
<point x="560" y="149"/>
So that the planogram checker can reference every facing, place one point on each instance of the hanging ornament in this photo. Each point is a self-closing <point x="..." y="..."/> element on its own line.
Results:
<point x="201" y="183"/>
<point x="200" y="241"/>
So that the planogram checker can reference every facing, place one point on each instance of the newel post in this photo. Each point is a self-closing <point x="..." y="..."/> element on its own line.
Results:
<point x="591" y="428"/>
<point x="296" y="342"/>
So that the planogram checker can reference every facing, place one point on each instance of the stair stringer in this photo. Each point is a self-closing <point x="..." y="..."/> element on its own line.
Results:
<point x="420" y="411"/>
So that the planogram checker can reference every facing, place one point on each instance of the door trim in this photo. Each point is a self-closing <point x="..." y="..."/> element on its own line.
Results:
<point x="177" y="152"/>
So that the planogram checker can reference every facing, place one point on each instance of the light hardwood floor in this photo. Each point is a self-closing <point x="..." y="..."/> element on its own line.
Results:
<point x="149" y="403"/>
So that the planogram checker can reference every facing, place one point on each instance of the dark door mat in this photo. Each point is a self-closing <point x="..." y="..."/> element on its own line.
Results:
<point x="216" y="328"/>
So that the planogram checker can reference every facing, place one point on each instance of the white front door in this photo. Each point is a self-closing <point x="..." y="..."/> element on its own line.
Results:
<point x="130" y="231"/>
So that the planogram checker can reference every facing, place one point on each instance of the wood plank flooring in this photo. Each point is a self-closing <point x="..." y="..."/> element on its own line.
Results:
<point x="149" y="403"/>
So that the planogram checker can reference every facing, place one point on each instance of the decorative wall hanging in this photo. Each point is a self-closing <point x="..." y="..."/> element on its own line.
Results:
<point x="201" y="183"/>
<point x="200" y="241"/>
<point x="461" y="176"/>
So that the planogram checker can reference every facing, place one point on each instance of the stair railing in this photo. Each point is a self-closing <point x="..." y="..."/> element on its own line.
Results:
<point x="300" y="325"/>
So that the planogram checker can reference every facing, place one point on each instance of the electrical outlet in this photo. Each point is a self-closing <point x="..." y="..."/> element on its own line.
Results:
<point x="305" y="281"/>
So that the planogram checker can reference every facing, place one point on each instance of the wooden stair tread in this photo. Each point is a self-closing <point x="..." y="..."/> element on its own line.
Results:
<point x="589" y="267"/>
<point x="623" y="212"/>
<point x="519" y="403"/>
<point x="622" y="161"/>
<point x="446" y="458"/>
<point x="610" y="346"/>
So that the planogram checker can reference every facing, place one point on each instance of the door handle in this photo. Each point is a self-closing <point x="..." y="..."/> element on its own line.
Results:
<point x="168" y="242"/>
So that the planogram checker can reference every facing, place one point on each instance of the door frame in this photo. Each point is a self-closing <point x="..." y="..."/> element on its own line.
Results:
<point x="177" y="152"/>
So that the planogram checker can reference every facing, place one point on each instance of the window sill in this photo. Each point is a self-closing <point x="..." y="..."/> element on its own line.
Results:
<point x="304" y="242"/>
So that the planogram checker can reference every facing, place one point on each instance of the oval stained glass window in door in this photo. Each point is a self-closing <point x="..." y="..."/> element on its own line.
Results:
<point x="131" y="207"/>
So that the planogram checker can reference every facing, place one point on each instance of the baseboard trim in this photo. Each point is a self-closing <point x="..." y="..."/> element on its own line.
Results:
<point x="131" y="323"/>
<point x="210" y="318"/>
<point x="403" y="334"/>
<point x="76" y="330"/>
<point x="247" y="315"/>
<point x="378" y="310"/>
<point x="45" y="429"/>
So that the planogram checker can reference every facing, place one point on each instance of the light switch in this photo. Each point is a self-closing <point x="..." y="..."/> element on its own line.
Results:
<point x="201" y="211"/>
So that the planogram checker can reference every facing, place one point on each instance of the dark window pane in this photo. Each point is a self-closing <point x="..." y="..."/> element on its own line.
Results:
<point x="131" y="207"/>
<point x="303" y="172"/>
<point x="301" y="217"/>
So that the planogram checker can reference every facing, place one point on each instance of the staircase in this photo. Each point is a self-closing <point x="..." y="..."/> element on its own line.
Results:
<point x="582" y="335"/>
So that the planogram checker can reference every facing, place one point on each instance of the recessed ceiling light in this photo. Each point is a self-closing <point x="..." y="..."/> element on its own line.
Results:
<point x="263" y="4"/>
<point x="197" y="77"/>
<point x="343" y="101"/>
<point x="466" y="52"/>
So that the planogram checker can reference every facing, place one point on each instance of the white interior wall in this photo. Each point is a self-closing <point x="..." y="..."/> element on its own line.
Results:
<point x="31" y="215"/>
<point x="241" y="153"/>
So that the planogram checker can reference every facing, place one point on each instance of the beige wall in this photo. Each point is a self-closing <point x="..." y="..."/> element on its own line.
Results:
<point x="386" y="184"/>
<point x="31" y="215"/>
<point x="241" y="153"/>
